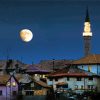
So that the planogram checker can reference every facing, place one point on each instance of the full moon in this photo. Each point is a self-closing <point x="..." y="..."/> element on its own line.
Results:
<point x="26" y="35"/>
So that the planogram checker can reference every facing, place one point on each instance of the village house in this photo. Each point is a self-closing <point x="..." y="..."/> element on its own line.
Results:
<point x="36" y="72"/>
<point x="75" y="79"/>
<point x="89" y="63"/>
<point x="21" y="84"/>
<point x="35" y="81"/>
<point x="9" y="87"/>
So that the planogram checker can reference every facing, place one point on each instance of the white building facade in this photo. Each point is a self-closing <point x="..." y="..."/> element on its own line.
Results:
<point x="77" y="82"/>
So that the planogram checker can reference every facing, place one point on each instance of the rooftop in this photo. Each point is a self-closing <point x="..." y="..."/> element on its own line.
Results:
<point x="90" y="59"/>
<point x="71" y="71"/>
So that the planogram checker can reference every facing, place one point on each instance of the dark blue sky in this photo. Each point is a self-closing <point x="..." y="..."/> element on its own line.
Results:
<point x="57" y="26"/>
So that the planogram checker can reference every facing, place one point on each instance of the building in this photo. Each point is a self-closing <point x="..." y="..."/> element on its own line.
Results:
<point x="75" y="79"/>
<point x="21" y="84"/>
<point x="90" y="63"/>
<point x="30" y="86"/>
<point x="9" y="87"/>
<point x="36" y="72"/>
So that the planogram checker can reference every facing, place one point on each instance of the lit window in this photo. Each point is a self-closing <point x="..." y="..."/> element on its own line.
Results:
<point x="35" y="74"/>
<point x="40" y="75"/>
<point x="8" y="83"/>
<point x="43" y="76"/>
<point x="13" y="84"/>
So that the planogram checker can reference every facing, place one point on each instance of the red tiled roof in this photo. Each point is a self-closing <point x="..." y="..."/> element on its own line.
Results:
<point x="73" y="74"/>
<point x="70" y="71"/>
<point x="42" y="84"/>
<point x="61" y="83"/>
<point x="90" y="59"/>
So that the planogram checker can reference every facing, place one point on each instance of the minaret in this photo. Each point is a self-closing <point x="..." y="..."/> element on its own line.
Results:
<point x="87" y="34"/>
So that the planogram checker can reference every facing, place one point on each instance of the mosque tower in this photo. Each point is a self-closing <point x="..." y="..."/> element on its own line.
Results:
<point x="87" y="34"/>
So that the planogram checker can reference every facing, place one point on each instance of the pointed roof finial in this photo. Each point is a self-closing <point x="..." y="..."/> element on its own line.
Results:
<point x="87" y="19"/>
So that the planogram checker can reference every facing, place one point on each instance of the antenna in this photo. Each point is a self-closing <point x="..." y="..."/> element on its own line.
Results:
<point x="53" y="64"/>
<point x="7" y="54"/>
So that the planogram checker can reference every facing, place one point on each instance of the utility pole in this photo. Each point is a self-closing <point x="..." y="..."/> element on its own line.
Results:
<point x="53" y="64"/>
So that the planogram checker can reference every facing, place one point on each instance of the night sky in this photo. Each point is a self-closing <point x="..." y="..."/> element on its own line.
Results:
<point x="57" y="26"/>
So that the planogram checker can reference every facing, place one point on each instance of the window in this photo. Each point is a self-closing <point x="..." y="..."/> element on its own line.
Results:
<point x="50" y="79"/>
<point x="91" y="78"/>
<point x="78" y="79"/>
<point x="65" y="86"/>
<point x="36" y="75"/>
<point x="76" y="86"/>
<point x="68" y="78"/>
<point x="14" y="93"/>
<point x="89" y="68"/>
<point x="81" y="86"/>
<point x="82" y="67"/>
<point x="0" y="92"/>
<point x="8" y="84"/>
<point x="13" y="83"/>
<point x="90" y="86"/>
<point x="56" y="79"/>
<point x="29" y="92"/>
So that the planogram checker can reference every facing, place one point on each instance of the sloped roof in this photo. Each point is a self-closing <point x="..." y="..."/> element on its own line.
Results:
<point x="4" y="79"/>
<point x="58" y="64"/>
<point x="90" y="59"/>
<point x="71" y="71"/>
<point x="62" y="83"/>
<point x="34" y="69"/>
<point x="43" y="84"/>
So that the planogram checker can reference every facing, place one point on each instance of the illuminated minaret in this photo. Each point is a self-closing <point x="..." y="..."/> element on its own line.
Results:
<point x="87" y="34"/>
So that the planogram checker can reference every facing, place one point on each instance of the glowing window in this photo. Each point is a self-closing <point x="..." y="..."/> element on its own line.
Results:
<point x="8" y="84"/>
<point x="13" y="84"/>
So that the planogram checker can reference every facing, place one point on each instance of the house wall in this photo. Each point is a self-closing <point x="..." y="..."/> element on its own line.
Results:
<point x="11" y="88"/>
<point x="3" y="89"/>
<point x="98" y="84"/>
<point x="72" y="83"/>
<point x="7" y="91"/>
<point x="49" y="82"/>
<point x="94" y="68"/>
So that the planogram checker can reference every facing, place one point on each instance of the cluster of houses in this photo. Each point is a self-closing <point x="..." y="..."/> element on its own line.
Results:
<point x="21" y="79"/>
<point x="78" y="76"/>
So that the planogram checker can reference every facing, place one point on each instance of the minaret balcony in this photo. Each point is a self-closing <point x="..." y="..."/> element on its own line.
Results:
<point x="87" y="34"/>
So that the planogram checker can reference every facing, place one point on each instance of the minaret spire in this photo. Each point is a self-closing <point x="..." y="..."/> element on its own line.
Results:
<point x="87" y="34"/>
<point x="87" y="19"/>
